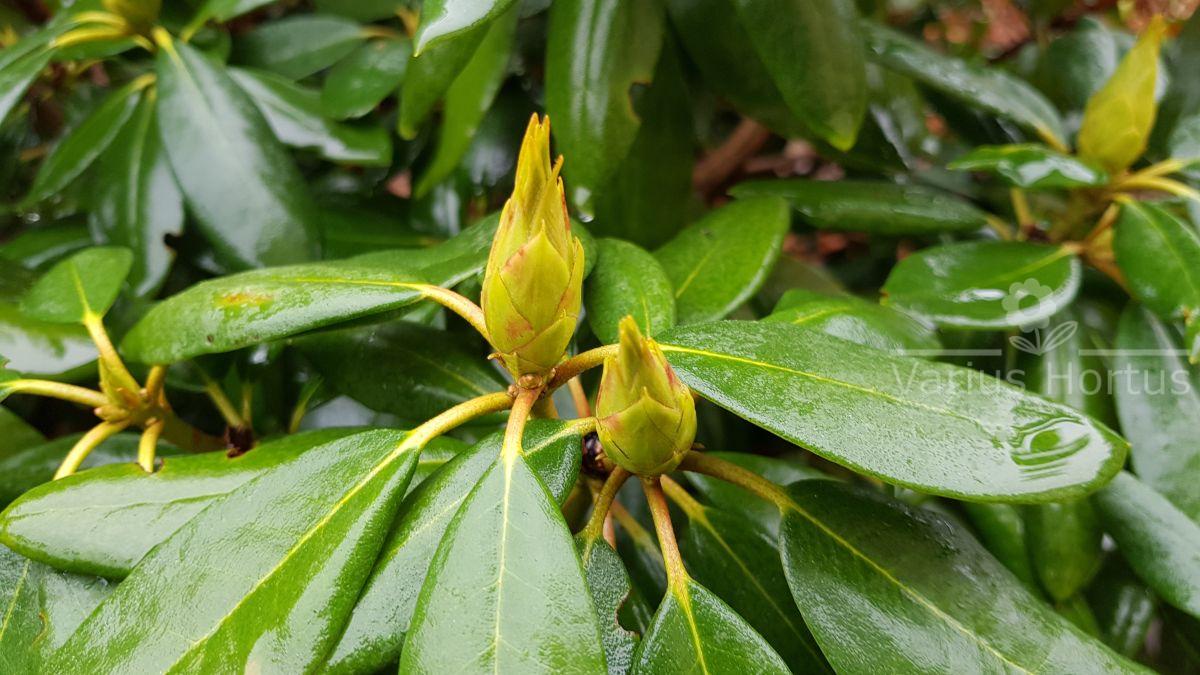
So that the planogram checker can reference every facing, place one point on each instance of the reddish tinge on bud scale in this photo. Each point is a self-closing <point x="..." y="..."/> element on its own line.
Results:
<point x="532" y="285"/>
<point x="645" y="415"/>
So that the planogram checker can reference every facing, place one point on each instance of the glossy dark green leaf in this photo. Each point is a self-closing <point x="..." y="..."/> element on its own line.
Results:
<point x="17" y="434"/>
<point x="137" y="201"/>
<point x="1076" y="64"/>
<point x="402" y="368"/>
<point x="988" y="88"/>
<point x="695" y="631"/>
<point x="18" y="73"/>
<point x="443" y="19"/>
<point x="300" y="45"/>
<point x="984" y="284"/>
<point x="1064" y="544"/>
<point x="364" y="78"/>
<point x="814" y="54"/>
<point x="224" y="10"/>
<point x="1031" y="166"/>
<point x="363" y="10"/>
<point x="610" y="588"/>
<point x="648" y="197"/>
<point x="83" y="144"/>
<point x="1157" y="251"/>
<point x="469" y="98"/>
<point x="1158" y="402"/>
<point x="205" y="599"/>
<point x="1123" y="606"/>
<point x="628" y="281"/>
<point x="42" y="247"/>
<point x="430" y="74"/>
<point x="888" y="588"/>
<point x="505" y="590"/>
<point x="34" y="464"/>
<point x="718" y="262"/>
<point x="933" y="427"/>
<point x="243" y="309"/>
<point x="42" y="607"/>
<point x="42" y="348"/>
<point x="1160" y="542"/>
<point x="376" y="628"/>
<point x="105" y="520"/>
<point x="857" y="320"/>
<point x="871" y="206"/>
<point x="246" y="194"/>
<point x="295" y="113"/>
<point x="596" y="52"/>
<point x="85" y="284"/>
<point x="1001" y="530"/>
<point x="739" y="561"/>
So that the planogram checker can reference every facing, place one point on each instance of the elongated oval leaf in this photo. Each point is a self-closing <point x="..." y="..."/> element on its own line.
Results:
<point x="933" y="427"/>
<point x="857" y="320"/>
<point x="377" y="626"/>
<point x="360" y="81"/>
<point x="1031" y="166"/>
<point x="1161" y="543"/>
<point x="86" y="284"/>
<point x="1157" y="252"/>
<point x="1064" y="544"/>
<point x="299" y="45"/>
<point x="83" y="144"/>
<point x="814" y="54"/>
<point x="241" y="185"/>
<point x="985" y="284"/>
<point x="204" y="598"/>
<point x="295" y="114"/>
<point x="1001" y="529"/>
<point x="596" y="51"/>
<point x="42" y="348"/>
<point x="505" y="590"/>
<point x="628" y="281"/>
<point x="138" y="202"/>
<point x="443" y="19"/>
<point x="988" y="88"/>
<point x="16" y="76"/>
<point x="694" y="631"/>
<point x="24" y="469"/>
<point x="1158" y="402"/>
<point x="430" y="74"/>
<point x="610" y="588"/>
<point x="880" y="583"/>
<point x="871" y="206"/>
<point x="718" y="262"/>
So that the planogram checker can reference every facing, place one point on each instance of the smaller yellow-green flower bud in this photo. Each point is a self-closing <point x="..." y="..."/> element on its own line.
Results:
<point x="141" y="14"/>
<point x="532" y="285"/>
<point x="646" y="416"/>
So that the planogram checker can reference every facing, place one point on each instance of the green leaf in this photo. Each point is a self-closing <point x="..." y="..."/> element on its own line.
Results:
<point x="83" y="144"/>
<point x="468" y="100"/>
<point x="299" y="45"/>
<point x="1072" y="67"/>
<point x="430" y="74"/>
<point x="403" y="368"/>
<point x="628" y="281"/>
<point x="739" y="562"/>
<point x="364" y="78"/>
<point x="694" y="631"/>
<point x="86" y="284"/>
<point x="204" y="598"/>
<point x="1124" y="607"/>
<point x="1158" y="402"/>
<point x="224" y="10"/>
<point x="596" y="52"/>
<point x="25" y="468"/>
<point x="1064" y="544"/>
<point x="137" y="200"/>
<point x="1161" y="543"/>
<point x="732" y="499"/>
<point x="721" y="260"/>
<point x="376" y="628"/>
<point x="43" y="246"/>
<point x="42" y="607"/>
<point x="41" y="348"/>
<point x="103" y="521"/>
<point x="17" y="434"/>
<point x="1031" y="166"/>
<point x="505" y="590"/>
<point x="246" y="194"/>
<point x="16" y="75"/>
<point x="814" y="54"/>
<point x="1184" y="144"/>
<point x="988" y="88"/>
<point x="878" y="581"/>
<point x="857" y="320"/>
<point x="984" y="284"/>
<point x="1157" y="251"/>
<point x="444" y="19"/>
<point x="363" y="10"/>
<point x="870" y="206"/>
<point x="950" y="430"/>
<point x="1001" y="529"/>
<point x="609" y="585"/>
<point x="296" y="116"/>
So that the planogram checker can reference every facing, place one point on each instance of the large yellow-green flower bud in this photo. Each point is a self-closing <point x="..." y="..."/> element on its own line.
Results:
<point x="646" y="416"/>
<point x="532" y="286"/>
<point x="141" y="14"/>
